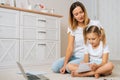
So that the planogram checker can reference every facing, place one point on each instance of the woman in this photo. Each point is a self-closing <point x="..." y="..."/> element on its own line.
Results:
<point x="78" y="19"/>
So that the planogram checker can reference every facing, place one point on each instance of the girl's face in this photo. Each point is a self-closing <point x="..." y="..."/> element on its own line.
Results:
<point x="93" y="39"/>
<point x="78" y="14"/>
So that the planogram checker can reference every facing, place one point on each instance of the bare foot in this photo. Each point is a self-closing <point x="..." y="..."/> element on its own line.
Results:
<point x="75" y="74"/>
<point x="97" y="76"/>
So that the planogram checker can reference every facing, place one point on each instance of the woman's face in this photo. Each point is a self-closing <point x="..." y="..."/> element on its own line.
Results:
<point x="93" y="39"/>
<point x="78" y="14"/>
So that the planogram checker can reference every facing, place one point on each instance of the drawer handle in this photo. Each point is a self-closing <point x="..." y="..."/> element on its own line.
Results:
<point x="41" y="32"/>
<point x="42" y="44"/>
<point x="41" y="20"/>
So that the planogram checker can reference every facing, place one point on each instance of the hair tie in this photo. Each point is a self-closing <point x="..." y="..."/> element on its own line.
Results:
<point x="95" y="23"/>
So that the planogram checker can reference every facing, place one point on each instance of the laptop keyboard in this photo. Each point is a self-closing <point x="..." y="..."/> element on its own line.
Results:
<point x="33" y="77"/>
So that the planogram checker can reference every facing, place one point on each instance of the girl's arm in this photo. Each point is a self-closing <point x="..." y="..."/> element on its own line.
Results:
<point x="86" y="58"/>
<point x="69" y="52"/>
<point x="104" y="60"/>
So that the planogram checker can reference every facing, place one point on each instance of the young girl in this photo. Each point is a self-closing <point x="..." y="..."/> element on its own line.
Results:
<point x="96" y="53"/>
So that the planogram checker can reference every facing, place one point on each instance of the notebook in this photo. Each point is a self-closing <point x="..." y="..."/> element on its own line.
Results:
<point x="83" y="67"/>
<point x="29" y="76"/>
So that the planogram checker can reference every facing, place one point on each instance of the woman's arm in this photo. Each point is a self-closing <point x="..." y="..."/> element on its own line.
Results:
<point x="69" y="52"/>
<point x="69" y="49"/>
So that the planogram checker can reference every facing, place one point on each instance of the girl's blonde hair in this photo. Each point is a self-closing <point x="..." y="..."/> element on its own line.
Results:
<point x="95" y="29"/>
<point x="73" y="22"/>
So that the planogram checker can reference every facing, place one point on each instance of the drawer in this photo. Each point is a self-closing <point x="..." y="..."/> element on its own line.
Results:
<point x="9" y="17"/>
<point x="41" y="22"/>
<point x="7" y="32"/>
<point x="32" y="20"/>
<point x="28" y="33"/>
<point x="51" y="23"/>
<point x="52" y="34"/>
<point x="28" y="19"/>
<point x="41" y="33"/>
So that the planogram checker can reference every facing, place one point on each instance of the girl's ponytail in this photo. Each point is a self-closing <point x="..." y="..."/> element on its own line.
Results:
<point x="103" y="37"/>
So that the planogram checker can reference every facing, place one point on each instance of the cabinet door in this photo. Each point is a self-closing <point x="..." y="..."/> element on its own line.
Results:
<point x="47" y="51"/>
<point x="41" y="51"/>
<point x="9" y="23"/>
<point x="28" y="52"/>
<point x="9" y="17"/>
<point x="9" y="52"/>
<point x="52" y="51"/>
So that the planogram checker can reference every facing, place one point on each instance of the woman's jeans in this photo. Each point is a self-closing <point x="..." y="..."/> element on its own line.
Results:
<point x="57" y="65"/>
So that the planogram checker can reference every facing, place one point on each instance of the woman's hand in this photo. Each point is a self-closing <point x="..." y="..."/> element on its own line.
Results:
<point x="62" y="70"/>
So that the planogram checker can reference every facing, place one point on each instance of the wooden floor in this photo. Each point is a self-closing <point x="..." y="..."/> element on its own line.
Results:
<point x="12" y="74"/>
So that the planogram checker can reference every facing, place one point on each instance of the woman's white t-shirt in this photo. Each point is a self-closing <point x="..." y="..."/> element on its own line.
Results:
<point x="79" y="48"/>
<point x="96" y="54"/>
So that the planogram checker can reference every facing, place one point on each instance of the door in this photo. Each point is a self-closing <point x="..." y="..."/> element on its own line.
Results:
<point x="9" y="52"/>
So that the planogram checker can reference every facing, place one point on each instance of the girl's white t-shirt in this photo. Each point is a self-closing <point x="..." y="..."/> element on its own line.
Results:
<point x="96" y="54"/>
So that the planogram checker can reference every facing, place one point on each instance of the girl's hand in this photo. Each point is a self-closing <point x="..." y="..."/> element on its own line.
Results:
<point x="62" y="70"/>
<point x="94" y="66"/>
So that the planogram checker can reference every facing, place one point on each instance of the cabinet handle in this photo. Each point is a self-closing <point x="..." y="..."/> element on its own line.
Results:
<point x="41" y="32"/>
<point x="41" y="20"/>
<point x="42" y="44"/>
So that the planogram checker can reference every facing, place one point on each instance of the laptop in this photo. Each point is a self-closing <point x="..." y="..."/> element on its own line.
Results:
<point x="29" y="76"/>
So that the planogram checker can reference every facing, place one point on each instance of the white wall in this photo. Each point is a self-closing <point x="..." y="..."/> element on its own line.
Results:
<point x="91" y="6"/>
<point x="109" y="15"/>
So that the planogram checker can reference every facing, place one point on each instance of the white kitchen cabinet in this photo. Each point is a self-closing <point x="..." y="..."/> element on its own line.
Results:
<point x="28" y="37"/>
<point x="39" y="38"/>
